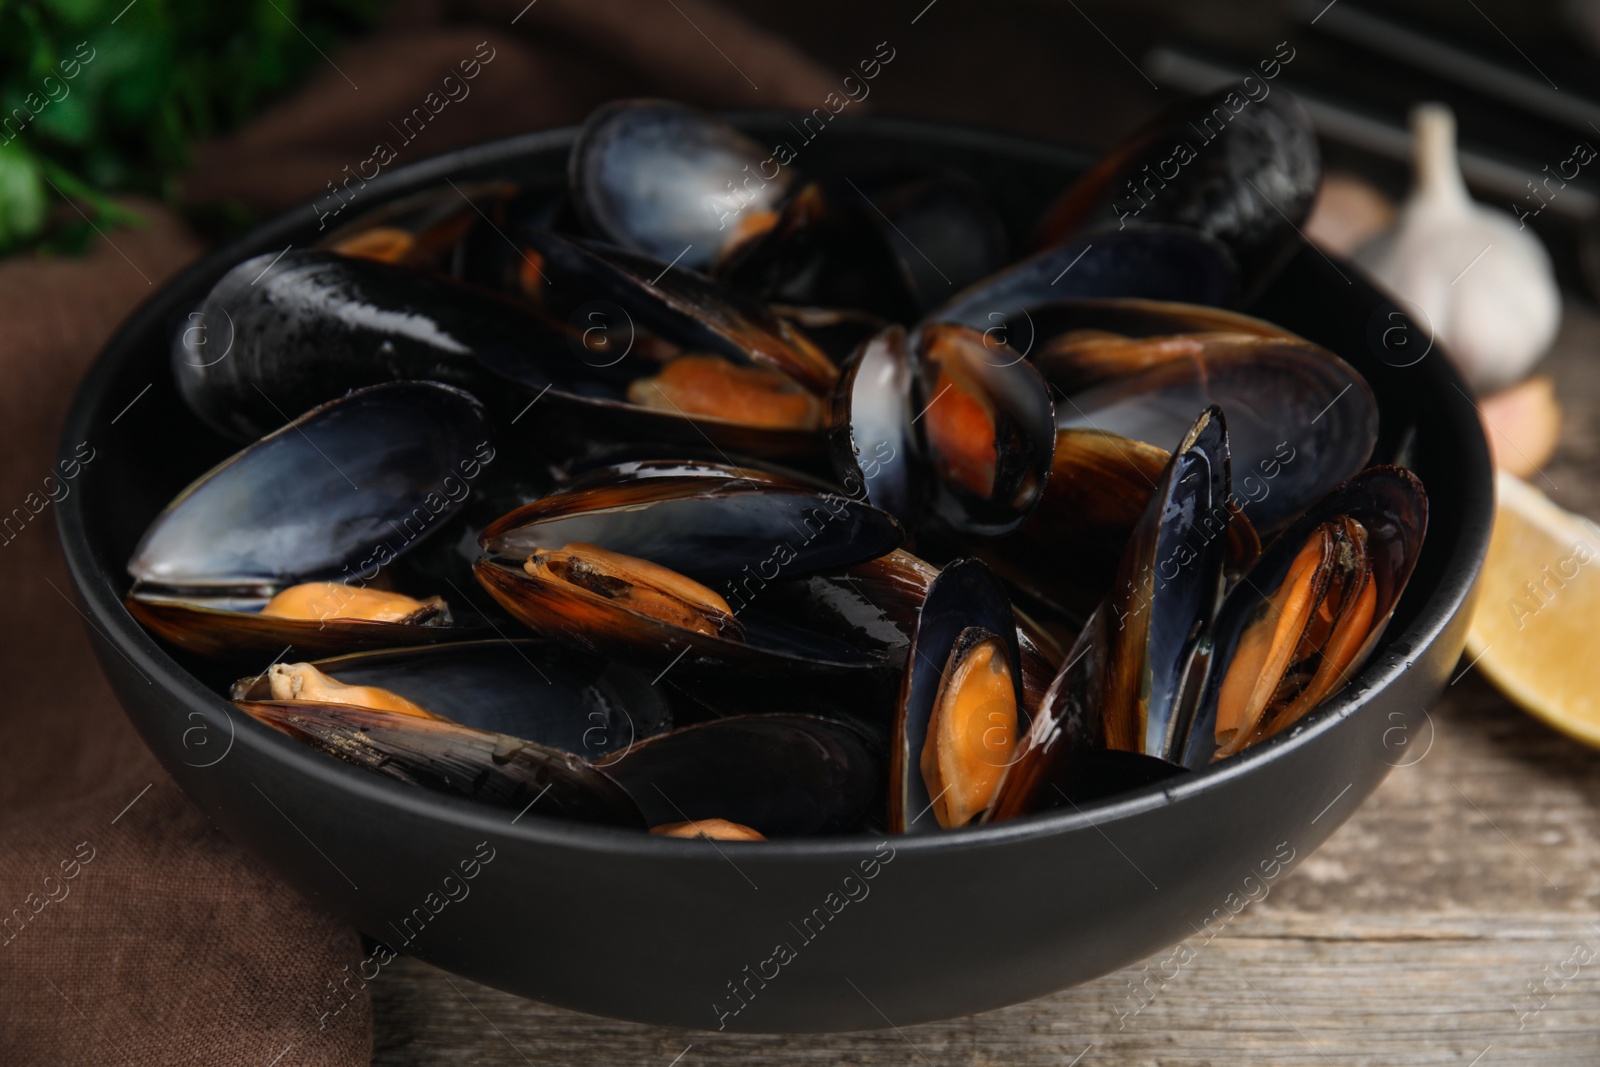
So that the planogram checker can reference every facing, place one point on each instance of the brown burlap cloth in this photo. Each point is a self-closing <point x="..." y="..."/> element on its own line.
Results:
<point x="130" y="930"/>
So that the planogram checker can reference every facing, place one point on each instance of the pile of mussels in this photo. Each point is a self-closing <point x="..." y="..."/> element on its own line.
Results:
<point x="605" y="496"/>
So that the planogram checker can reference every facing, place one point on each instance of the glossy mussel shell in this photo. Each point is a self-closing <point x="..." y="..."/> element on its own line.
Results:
<point x="873" y="440"/>
<point x="1238" y="170"/>
<point x="444" y="756"/>
<point x="1084" y="342"/>
<point x="677" y="305"/>
<point x="335" y="495"/>
<point x="277" y="336"/>
<point x="1129" y="686"/>
<point x="1167" y="591"/>
<point x="965" y="602"/>
<point x="1300" y="419"/>
<point x="626" y="320"/>
<point x="670" y="182"/>
<point x="757" y="538"/>
<point x="780" y="774"/>
<point x="232" y="630"/>
<point x="707" y="520"/>
<point x="1391" y="508"/>
<point x="526" y="688"/>
<point x="987" y="429"/>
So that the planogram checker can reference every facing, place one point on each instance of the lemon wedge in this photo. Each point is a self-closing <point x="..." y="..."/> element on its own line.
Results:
<point x="1534" y="630"/>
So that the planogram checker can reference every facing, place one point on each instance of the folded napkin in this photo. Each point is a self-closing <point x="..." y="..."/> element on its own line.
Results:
<point x="131" y="932"/>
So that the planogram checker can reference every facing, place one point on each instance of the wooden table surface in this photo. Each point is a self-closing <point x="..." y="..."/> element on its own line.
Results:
<point x="1452" y="920"/>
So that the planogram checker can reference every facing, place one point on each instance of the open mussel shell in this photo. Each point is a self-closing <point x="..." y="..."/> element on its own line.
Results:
<point x="233" y="630"/>
<point x="987" y="427"/>
<point x="710" y="521"/>
<point x="1079" y="343"/>
<point x="1131" y="682"/>
<point x="792" y="629"/>
<point x="1151" y="263"/>
<point x="1239" y="170"/>
<point x="669" y="181"/>
<point x="965" y="614"/>
<point x="285" y="335"/>
<point x="1328" y="623"/>
<point x="1167" y="591"/>
<point x="750" y="536"/>
<point x="291" y="333"/>
<point x="894" y="249"/>
<point x="334" y="496"/>
<point x="315" y="497"/>
<point x="1133" y="317"/>
<point x="525" y="688"/>
<point x="782" y="775"/>
<point x="1300" y="419"/>
<point x="425" y="231"/>
<point x="505" y="772"/>
<point x="662" y="354"/>
<point x="873" y="440"/>
<point x="675" y="305"/>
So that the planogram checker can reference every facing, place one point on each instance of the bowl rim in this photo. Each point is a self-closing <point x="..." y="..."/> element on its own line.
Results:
<point x="107" y="616"/>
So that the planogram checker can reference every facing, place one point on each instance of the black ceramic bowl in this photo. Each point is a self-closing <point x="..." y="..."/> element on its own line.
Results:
<point x="799" y="935"/>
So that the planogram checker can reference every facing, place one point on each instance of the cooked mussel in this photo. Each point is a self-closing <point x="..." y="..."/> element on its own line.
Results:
<point x="535" y="690"/>
<point x="946" y="415"/>
<point x="684" y="310"/>
<point x="629" y="561"/>
<point x="286" y="334"/>
<point x="671" y="182"/>
<point x="506" y="772"/>
<point x="1086" y="342"/>
<point x="987" y="428"/>
<point x="961" y="709"/>
<point x="310" y="325"/>
<point x="1300" y="419"/>
<point x="284" y="544"/>
<point x="686" y="359"/>
<point x="873" y="436"/>
<point x="1239" y="170"/>
<point x="1131" y="683"/>
<point x="305" y="682"/>
<point x="1167" y="591"/>
<point x="1310" y="612"/>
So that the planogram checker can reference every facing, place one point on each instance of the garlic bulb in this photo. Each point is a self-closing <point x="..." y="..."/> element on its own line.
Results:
<point x="1485" y="285"/>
